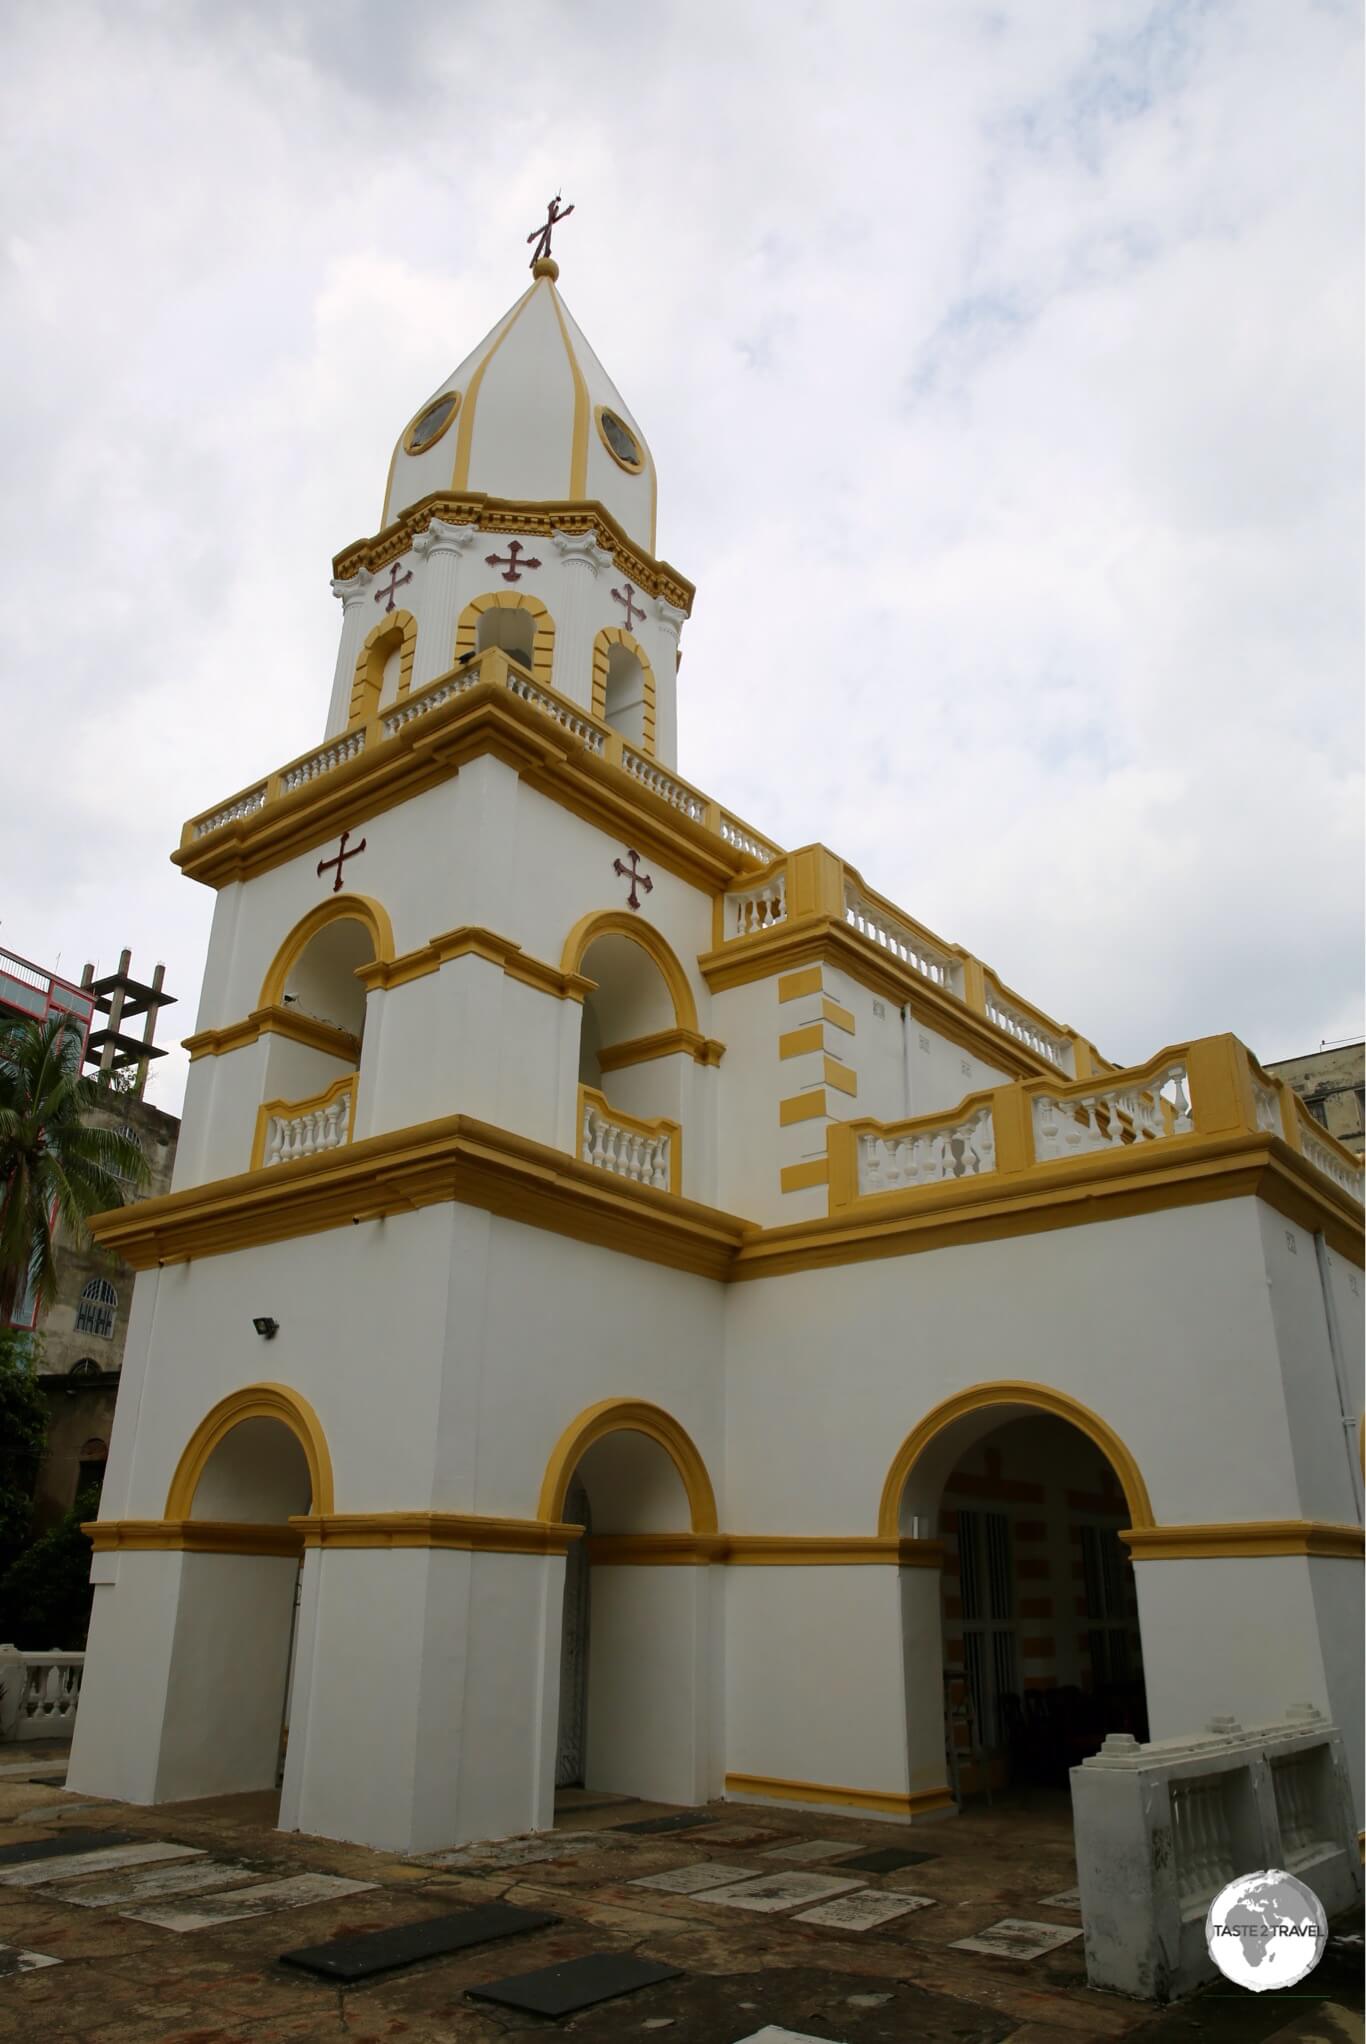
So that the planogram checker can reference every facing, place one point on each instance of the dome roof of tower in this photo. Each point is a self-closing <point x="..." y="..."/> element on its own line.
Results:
<point x="532" y="415"/>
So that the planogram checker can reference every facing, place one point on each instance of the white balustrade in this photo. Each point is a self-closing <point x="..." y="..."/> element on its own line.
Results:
<point x="309" y="1129"/>
<point x="324" y="761"/>
<point x="760" y="907"/>
<point x="732" y="832"/>
<point x="240" y="805"/>
<point x="424" y="701"/>
<point x="904" y="942"/>
<point x="927" y="1156"/>
<point x="1112" y="1115"/>
<point x="1325" y="1158"/>
<point x="575" y="722"/>
<point x="1202" y="1838"/>
<point x="39" y="1693"/>
<point x="626" y="1148"/>
<point x="676" y="793"/>
<point x="1030" y="1033"/>
<point x="1267" y="1102"/>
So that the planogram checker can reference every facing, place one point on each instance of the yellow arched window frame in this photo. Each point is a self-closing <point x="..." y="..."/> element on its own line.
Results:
<point x="608" y="637"/>
<point x="543" y="641"/>
<point x="392" y="634"/>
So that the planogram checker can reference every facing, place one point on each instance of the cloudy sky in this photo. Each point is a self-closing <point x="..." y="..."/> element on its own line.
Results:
<point x="1002" y="368"/>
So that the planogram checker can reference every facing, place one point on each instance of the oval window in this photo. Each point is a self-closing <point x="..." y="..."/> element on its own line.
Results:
<point x="620" y="442"/>
<point x="431" y="422"/>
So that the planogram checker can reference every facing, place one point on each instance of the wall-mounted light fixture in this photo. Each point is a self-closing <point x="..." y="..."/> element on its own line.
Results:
<point x="266" y="1327"/>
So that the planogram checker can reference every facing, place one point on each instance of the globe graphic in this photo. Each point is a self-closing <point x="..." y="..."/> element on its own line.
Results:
<point x="1266" y="1930"/>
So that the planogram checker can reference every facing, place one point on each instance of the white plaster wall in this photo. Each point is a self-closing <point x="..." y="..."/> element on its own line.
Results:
<point x="647" y="1683"/>
<point x="116" y="1741"/>
<point x="1324" y="1449"/>
<point x="225" y="1695"/>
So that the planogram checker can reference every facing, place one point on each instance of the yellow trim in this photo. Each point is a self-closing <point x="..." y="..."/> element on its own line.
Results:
<point x="640" y="1050"/>
<point x="467" y="1531"/>
<point x="1038" y="1398"/>
<point x="470" y="941"/>
<point x="578" y="450"/>
<point x="191" y="1536"/>
<point x="792" y="986"/>
<point x="761" y="1550"/>
<point x="614" y="922"/>
<point x="800" y="1177"/>
<point x="253" y="1401"/>
<point x="842" y="1018"/>
<point x="655" y="1550"/>
<point x="660" y="1126"/>
<point x="632" y="468"/>
<point x="543" y="637"/>
<point x="886" y="1803"/>
<point x="277" y="1021"/>
<point x="353" y="908"/>
<point x="395" y="633"/>
<point x="799" y="1042"/>
<point x="615" y="635"/>
<point x="1251" y="1538"/>
<point x="840" y="1077"/>
<point x="295" y="1107"/>
<point x="629" y="1415"/>
<point x="464" y="439"/>
<point x="801" y="1107"/>
<point x="424" y="447"/>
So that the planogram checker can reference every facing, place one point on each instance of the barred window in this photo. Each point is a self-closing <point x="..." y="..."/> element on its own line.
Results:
<point x="99" y="1304"/>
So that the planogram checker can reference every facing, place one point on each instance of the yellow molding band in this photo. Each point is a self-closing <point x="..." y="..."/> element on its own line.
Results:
<point x="1035" y="1398"/>
<point x="1253" y="1538"/>
<point x="801" y="1107"/>
<point x="275" y="1021"/>
<point x="472" y="941"/>
<point x="191" y="1536"/>
<point x="797" y="1042"/>
<point x="799" y="1177"/>
<point x="887" y="1803"/>
<point x="840" y="1077"/>
<point x="654" y="1550"/>
<point x="640" y="1050"/>
<point x="466" y="1531"/>
<point x="843" y="1018"/>
<point x="792" y="986"/>
<point x="831" y="1550"/>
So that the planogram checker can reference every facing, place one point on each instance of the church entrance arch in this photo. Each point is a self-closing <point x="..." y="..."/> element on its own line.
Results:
<point x="257" y="1461"/>
<point x="1026" y="1651"/>
<point x="633" y="1655"/>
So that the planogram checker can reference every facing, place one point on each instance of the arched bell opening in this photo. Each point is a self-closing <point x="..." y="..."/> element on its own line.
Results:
<point x="312" y="1061"/>
<point x="1025" y="1651"/>
<point x="633" y="1075"/>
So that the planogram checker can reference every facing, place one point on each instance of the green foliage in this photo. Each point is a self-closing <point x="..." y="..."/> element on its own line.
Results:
<point x="55" y="1164"/>
<point x="45" y="1594"/>
<point x="23" y="1431"/>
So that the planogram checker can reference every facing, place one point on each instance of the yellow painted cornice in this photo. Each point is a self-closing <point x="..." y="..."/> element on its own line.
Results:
<point x="275" y="1021"/>
<point x="452" y="1159"/>
<point x="486" y="720"/>
<point x="826" y="940"/>
<point x="467" y="1531"/>
<point x="471" y="941"/>
<point x="505" y="514"/>
<point x="190" y="1536"/>
<point x="884" y="1802"/>
<point x="1253" y="1538"/>
<point x="640" y="1050"/>
<point x="763" y="1550"/>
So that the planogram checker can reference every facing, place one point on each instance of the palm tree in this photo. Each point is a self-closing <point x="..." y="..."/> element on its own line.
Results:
<point x="56" y="1165"/>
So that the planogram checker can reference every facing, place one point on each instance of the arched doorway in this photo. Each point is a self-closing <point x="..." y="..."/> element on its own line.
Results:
<point x="254" y="1463"/>
<point x="633" y="1693"/>
<point x="1026" y="1650"/>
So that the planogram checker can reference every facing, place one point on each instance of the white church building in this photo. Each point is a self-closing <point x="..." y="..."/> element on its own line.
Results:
<point x="635" y="1307"/>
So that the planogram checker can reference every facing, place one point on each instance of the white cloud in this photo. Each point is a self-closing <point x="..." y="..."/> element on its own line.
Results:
<point x="1001" y="366"/>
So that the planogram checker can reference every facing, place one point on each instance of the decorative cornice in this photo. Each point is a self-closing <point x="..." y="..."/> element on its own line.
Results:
<point x="885" y="1802"/>
<point x="275" y="1020"/>
<point x="641" y="1050"/>
<point x="467" y="1531"/>
<point x="438" y="537"/>
<point x="353" y="589"/>
<point x="670" y="618"/>
<point x="504" y="514"/>
<point x="190" y="1536"/>
<point x="452" y="1159"/>
<point x="1252" y="1539"/>
<point x="471" y="941"/>
<point x="762" y="1550"/>
<point x="581" y="550"/>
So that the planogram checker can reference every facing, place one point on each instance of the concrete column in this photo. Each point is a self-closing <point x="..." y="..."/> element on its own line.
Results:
<point x="354" y="593"/>
<point x="670" y="621"/>
<point x="441" y="547"/>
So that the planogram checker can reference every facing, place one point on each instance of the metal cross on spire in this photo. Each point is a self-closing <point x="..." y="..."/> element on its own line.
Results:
<point x="554" y="213"/>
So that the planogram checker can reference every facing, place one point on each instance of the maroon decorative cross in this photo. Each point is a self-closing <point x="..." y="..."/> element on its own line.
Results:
<point x="510" y="560"/>
<point x="554" y="213"/>
<point x="632" y="610"/>
<point x="396" y="582"/>
<point x="630" y="873"/>
<point x="342" y="855"/>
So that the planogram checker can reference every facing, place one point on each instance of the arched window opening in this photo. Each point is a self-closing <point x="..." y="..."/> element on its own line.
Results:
<point x="312" y="1069"/>
<point x="625" y="701"/>
<point x="99" y="1303"/>
<point x="322" y="981"/>
<point x="86" y="1367"/>
<point x="630" y="1100"/>
<point x="512" y="631"/>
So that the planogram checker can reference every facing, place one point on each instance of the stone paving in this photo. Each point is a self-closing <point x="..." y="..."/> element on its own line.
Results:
<point x="175" y="1936"/>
